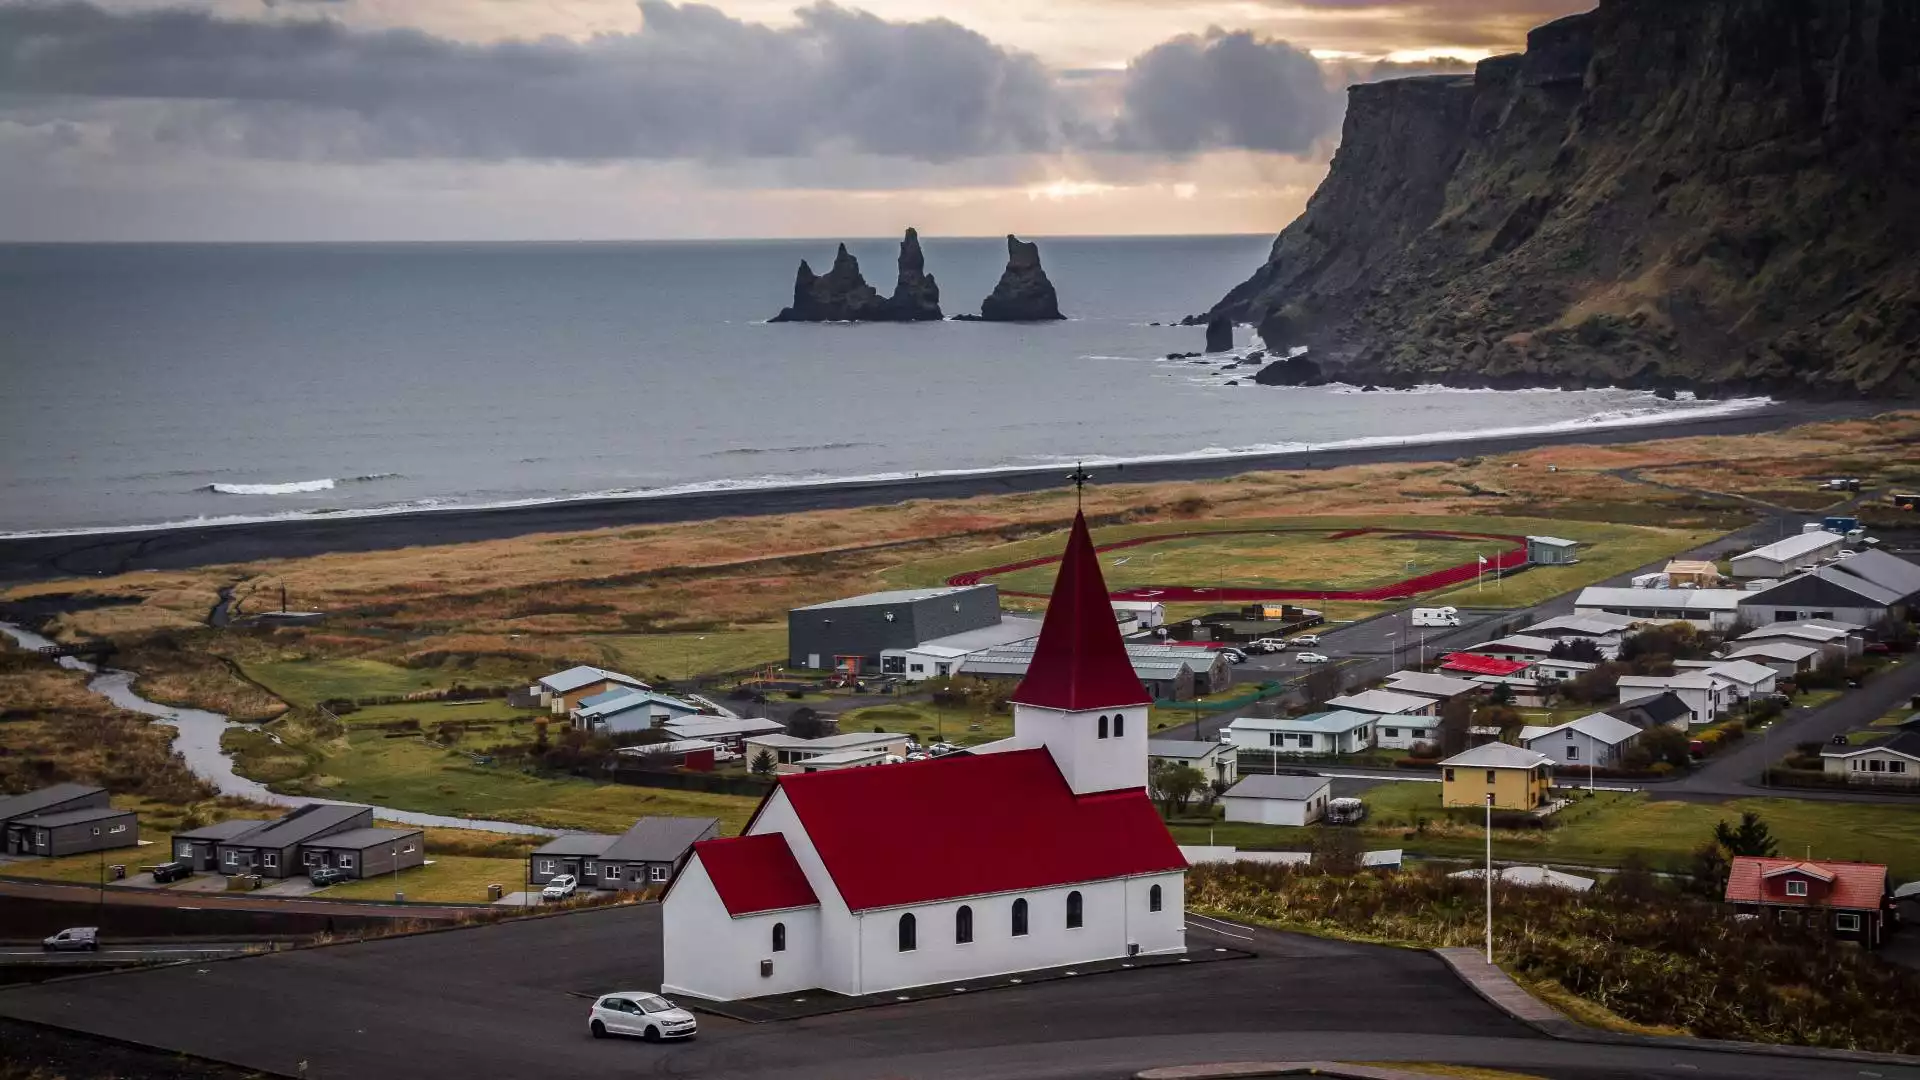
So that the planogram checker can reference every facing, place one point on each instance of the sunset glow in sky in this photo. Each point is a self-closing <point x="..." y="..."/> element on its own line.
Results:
<point x="602" y="119"/>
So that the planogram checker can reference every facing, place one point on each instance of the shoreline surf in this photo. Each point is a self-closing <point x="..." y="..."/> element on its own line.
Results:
<point x="179" y="546"/>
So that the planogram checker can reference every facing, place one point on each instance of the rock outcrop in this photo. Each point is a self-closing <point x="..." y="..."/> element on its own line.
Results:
<point x="1024" y="294"/>
<point x="1220" y="334"/>
<point x="1719" y="194"/>
<point x="843" y="295"/>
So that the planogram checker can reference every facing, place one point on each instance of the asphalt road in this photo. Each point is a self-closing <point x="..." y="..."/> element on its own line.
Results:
<point x="511" y="1000"/>
<point x="146" y="952"/>
<point x="208" y="901"/>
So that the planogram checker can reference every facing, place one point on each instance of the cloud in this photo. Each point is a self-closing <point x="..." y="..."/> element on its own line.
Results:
<point x="1226" y="90"/>
<point x="692" y="84"/>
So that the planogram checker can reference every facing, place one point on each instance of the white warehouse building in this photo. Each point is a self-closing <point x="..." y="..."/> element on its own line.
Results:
<point x="1784" y="557"/>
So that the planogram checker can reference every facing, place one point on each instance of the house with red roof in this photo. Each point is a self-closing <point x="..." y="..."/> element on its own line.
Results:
<point x="1467" y="663"/>
<point x="1846" y="899"/>
<point x="1035" y="851"/>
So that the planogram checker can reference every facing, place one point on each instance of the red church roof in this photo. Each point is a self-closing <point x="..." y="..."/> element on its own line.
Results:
<point x="1475" y="664"/>
<point x="967" y="825"/>
<point x="755" y="873"/>
<point x="1080" y="662"/>
<point x="1860" y="886"/>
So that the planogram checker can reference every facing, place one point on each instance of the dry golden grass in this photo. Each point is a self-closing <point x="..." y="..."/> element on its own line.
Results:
<point x="198" y="680"/>
<point x="54" y="729"/>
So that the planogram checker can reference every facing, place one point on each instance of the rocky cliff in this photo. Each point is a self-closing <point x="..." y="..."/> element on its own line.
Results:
<point x="1719" y="194"/>
<point x="843" y="295"/>
<point x="1024" y="294"/>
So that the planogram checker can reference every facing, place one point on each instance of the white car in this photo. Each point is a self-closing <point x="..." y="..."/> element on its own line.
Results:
<point x="1310" y="657"/>
<point x="1267" y="644"/>
<point x="636" y="1012"/>
<point x="86" y="938"/>
<point x="559" y="887"/>
<point x="1306" y="641"/>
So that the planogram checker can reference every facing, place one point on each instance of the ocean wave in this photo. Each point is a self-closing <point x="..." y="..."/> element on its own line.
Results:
<point x="297" y="487"/>
<point x="1655" y="413"/>
<point x="750" y="451"/>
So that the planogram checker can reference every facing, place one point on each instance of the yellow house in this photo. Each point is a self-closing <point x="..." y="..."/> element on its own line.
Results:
<point x="1518" y="778"/>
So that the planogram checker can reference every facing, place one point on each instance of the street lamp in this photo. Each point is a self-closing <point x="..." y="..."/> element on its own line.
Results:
<point x="1489" y="878"/>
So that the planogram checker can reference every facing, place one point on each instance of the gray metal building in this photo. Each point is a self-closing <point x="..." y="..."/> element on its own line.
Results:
<point x="863" y="626"/>
<point x="71" y="832"/>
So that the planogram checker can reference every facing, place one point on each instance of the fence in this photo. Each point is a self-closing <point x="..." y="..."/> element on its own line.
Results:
<point x="679" y="781"/>
<point x="1265" y="690"/>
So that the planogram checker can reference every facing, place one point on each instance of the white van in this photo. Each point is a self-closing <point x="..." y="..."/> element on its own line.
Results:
<point x="1436" y="616"/>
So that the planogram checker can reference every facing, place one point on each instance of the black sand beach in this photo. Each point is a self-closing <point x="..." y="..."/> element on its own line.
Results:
<point x="40" y="558"/>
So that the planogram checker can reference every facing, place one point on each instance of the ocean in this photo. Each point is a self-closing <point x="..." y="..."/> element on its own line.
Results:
<point x="156" y="384"/>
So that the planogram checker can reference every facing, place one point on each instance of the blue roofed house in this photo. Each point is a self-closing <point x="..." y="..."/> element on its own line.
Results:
<point x="1337" y="731"/>
<point x="563" y="691"/>
<point x="623" y="709"/>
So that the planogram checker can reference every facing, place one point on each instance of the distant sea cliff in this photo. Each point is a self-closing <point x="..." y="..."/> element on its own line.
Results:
<point x="1719" y="195"/>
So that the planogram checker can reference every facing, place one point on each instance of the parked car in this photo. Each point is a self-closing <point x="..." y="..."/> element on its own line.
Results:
<point x="1234" y="656"/>
<point x="1306" y="641"/>
<point x="322" y="876"/>
<point x="73" y="938"/>
<point x="559" y="887"/>
<point x="726" y="755"/>
<point x="1878" y="648"/>
<point x="171" y="871"/>
<point x="1310" y="657"/>
<point x="636" y="1012"/>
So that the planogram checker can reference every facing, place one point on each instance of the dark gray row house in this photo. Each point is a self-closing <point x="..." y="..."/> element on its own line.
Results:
<point x="64" y="819"/>
<point x="340" y="835"/>
<point x="643" y="856"/>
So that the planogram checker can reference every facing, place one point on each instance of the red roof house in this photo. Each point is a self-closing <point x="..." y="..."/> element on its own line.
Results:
<point x="754" y="874"/>
<point x="1476" y="664"/>
<point x="1848" y="898"/>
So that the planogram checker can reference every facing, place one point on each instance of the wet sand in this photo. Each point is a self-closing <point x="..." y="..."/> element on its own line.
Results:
<point x="39" y="558"/>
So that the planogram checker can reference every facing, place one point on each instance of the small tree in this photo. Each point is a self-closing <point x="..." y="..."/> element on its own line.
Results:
<point x="1502" y="694"/>
<point x="1456" y="717"/>
<point x="1750" y="837"/>
<point x="1582" y="649"/>
<point x="1635" y="881"/>
<point x="1662" y="743"/>
<point x="1174" y="784"/>
<point x="1337" y="851"/>
<point x="763" y="763"/>
<point x="1707" y="872"/>
<point x="540" y="743"/>
<point x="805" y="723"/>
<point x="1322" y="684"/>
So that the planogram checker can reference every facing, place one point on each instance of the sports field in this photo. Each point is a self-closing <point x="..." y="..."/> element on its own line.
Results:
<point x="1280" y="563"/>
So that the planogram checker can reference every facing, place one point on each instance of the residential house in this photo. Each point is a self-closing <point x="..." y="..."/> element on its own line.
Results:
<point x="200" y="847"/>
<point x="1749" y="679"/>
<point x="694" y="755"/>
<point x="273" y="849"/>
<point x="1525" y="647"/>
<point x="730" y="732"/>
<point x="1823" y="593"/>
<point x="1705" y="695"/>
<point x="1847" y="899"/>
<point x="792" y="754"/>
<point x="1219" y="762"/>
<point x="1890" y="572"/>
<point x="1595" y="740"/>
<point x="846" y="759"/>
<point x="1692" y="574"/>
<point x="1429" y="684"/>
<point x="1526" y="690"/>
<point x="623" y="710"/>
<point x="1706" y="609"/>
<point x="1267" y="799"/>
<point x="55" y="799"/>
<point x="1785" y="657"/>
<point x="366" y="852"/>
<point x="652" y="851"/>
<point x="1336" y="732"/>
<point x="1554" y="669"/>
<point x="1552" y="551"/>
<point x="943" y="656"/>
<point x="1517" y="778"/>
<point x="1661" y="709"/>
<point x="576" y="854"/>
<point x="1893" y="762"/>
<point x="1386" y="703"/>
<point x="70" y="832"/>
<point x="1473" y="664"/>
<point x="562" y="691"/>
<point x="1141" y="614"/>
<point x="1802" y="551"/>
<point x="1833" y="642"/>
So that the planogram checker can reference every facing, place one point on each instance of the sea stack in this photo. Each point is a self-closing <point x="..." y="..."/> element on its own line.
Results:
<point x="1024" y="293"/>
<point x="841" y="295"/>
<point x="916" y="296"/>
<point x="1220" y="334"/>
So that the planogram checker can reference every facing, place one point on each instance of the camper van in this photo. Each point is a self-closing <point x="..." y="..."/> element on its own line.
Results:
<point x="1436" y="616"/>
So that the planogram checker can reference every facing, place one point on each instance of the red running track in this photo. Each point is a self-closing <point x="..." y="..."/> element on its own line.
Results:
<point x="1400" y="590"/>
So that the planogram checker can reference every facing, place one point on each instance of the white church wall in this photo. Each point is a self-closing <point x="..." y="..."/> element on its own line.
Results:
<point x="1160" y="931"/>
<point x="710" y="954"/>
<point x="838" y="963"/>
<point x="1089" y="762"/>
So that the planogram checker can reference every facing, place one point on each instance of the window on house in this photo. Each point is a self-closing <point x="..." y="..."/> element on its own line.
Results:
<point x="1119" y="725"/>
<point x="1306" y="742"/>
<point x="1796" y="888"/>
<point x="118" y="829"/>
<point x="546" y="866"/>
<point x="1020" y="918"/>
<point x="779" y="937"/>
<point x="311" y="858"/>
<point x="1789" y="917"/>
<point x="1449" y="776"/>
<point x="1393" y="733"/>
<point x="963" y="925"/>
<point x="1275" y="739"/>
<point x="1892" y="766"/>
<point x="1573" y="752"/>
<point x="1492" y="776"/>
<point x="346" y="861"/>
<point x="1103" y="725"/>
<point x="588" y="869"/>
<point x="233" y="858"/>
<point x="1154" y="898"/>
<point x="270" y="860"/>
<point x="406" y="849"/>
<point x="185" y="851"/>
<point x="610" y="872"/>
<point x="1875" y="765"/>
<point x="1075" y="915"/>
<point x="1846" y="922"/>
<point x="909" y="933"/>
<point x="657" y="873"/>
<point x="917" y="667"/>
<point x="1417" y="733"/>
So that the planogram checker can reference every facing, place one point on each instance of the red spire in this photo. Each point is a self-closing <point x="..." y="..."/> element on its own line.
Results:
<point x="1080" y="662"/>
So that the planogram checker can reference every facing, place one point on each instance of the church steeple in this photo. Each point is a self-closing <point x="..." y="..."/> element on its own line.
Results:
<point x="1080" y="661"/>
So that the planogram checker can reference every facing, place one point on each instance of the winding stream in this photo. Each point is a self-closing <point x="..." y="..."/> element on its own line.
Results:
<point x="197" y="739"/>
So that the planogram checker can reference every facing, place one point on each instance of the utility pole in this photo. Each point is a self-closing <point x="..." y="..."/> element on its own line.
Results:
<point x="1489" y="878"/>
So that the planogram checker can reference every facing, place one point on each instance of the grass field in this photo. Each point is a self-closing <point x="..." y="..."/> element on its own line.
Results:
<point x="929" y="723"/>
<point x="682" y="656"/>
<point x="1280" y="559"/>
<point x="413" y="774"/>
<point x="454" y="879"/>
<point x="1606" y="828"/>
<point x="309" y="682"/>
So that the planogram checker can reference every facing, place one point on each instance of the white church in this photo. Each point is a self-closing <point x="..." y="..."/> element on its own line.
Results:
<point x="1031" y="852"/>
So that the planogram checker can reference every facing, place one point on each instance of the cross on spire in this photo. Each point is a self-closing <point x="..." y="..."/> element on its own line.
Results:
<point x="1079" y="477"/>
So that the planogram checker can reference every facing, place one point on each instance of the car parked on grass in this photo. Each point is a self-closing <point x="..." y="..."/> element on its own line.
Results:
<point x="73" y="939"/>
<point x="1310" y="657"/>
<point x="322" y="876"/>
<point x="559" y="887"/>
<point x="636" y="1012"/>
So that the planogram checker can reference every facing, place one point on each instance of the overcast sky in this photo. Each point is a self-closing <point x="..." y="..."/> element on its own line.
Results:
<point x="609" y="119"/>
